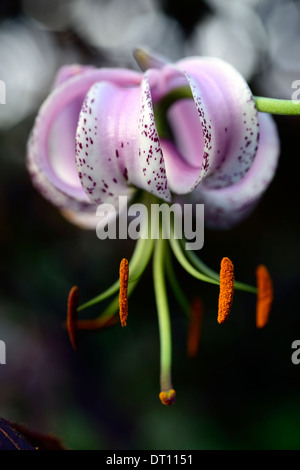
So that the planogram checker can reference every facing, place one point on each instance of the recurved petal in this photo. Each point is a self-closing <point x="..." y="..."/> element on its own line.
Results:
<point x="100" y="158"/>
<point x="215" y="133"/>
<point x="225" y="207"/>
<point x="51" y="147"/>
<point x="86" y="219"/>
<point x="149" y="169"/>
<point x="183" y="155"/>
<point x="68" y="71"/>
<point x="228" y="116"/>
<point x="181" y="175"/>
<point x="117" y="145"/>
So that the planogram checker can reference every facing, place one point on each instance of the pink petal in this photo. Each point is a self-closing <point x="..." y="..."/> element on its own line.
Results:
<point x="117" y="145"/>
<point x="225" y="207"/>
<point x="228" y="116"/>
<point x="216" y="133"/>
<point x="51" y="148"/>
<point x="104" y="136"/>
<point x="69" y="71"/>
<point x="183" y="155"/>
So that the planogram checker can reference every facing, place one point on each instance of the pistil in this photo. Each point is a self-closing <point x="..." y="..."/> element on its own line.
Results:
<point x="167" y="395"/>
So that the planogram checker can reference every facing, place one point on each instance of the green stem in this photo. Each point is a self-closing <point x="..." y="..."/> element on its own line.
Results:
<point x="264" y="105"/>
<point x="277" y="106"/>
<point x="163" y="315"/>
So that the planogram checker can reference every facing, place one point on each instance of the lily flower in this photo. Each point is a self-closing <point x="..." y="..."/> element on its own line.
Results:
<point x="186" y="131"/>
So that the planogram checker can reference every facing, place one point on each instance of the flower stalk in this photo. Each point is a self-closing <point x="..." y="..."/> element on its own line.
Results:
<point x="263" y="105"/>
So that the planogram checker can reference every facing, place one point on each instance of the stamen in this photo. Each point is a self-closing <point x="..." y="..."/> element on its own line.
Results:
<point x="97" y="323"/>
<point x="73" y="300"/>
<point x="226" y="289"/>
<point x="123" y="298"/>
<point x="195" y="327"/>
<point x="168" y="397"/>
<point x="201" y="266"/>
<point x="264" y="296"/>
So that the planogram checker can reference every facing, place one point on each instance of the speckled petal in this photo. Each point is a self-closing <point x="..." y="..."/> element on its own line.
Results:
<point x="228" y="116"/>
<point x="150" y="167"/>
<point x="216" y="133"/>
<point x="100" y="146"/>
<point x="225" y="207"/>
<point x="51" y="147"/>
<point x="117" y="146"/>
<point x="183" y="155"/>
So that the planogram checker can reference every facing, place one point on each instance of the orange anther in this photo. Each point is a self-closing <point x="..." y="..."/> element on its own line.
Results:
<point x="72" y="315"/>
<point x="123" y="300"/>
<point x="264" y="295"/>
<point x="226" y="289"/>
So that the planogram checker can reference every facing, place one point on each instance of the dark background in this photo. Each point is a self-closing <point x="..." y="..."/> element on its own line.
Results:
<point x="242" y="391"/>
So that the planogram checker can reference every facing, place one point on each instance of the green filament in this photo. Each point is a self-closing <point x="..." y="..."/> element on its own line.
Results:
<point x="179" y="255"/>
<point x="175" y="285"/>
<point x="199" y="264"/>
